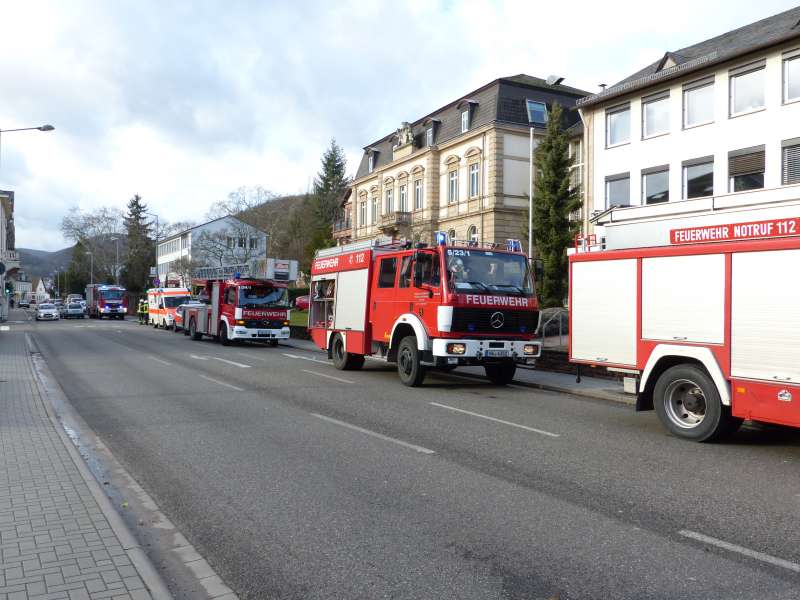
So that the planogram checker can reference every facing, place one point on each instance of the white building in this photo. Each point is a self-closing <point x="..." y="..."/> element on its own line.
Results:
<point x="717" y="118"/>
<point x="222" y="241"/>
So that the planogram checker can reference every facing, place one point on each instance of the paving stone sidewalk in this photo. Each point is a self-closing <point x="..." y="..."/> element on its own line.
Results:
<point x="55" y="541"/>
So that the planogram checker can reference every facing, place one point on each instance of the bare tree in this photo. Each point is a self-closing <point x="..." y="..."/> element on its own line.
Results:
<point x="100" y="232"/>
<point x="184" y="268"/>
<point x="231" y="245"/>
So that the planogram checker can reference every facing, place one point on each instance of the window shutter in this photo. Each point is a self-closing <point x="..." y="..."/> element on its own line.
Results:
<point x="791" y="164"/>
<point x="743" y="164"/>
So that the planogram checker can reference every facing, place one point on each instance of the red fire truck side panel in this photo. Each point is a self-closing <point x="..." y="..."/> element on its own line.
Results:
<point x="761" y="401"/>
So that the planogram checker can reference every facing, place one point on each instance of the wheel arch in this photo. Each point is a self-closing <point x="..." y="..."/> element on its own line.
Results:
<point x="665" y="356"/>
<point x="412" y="322"/>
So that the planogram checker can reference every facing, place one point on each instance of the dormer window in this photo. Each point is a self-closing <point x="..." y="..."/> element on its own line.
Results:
<point x="370" y="163"/>
<point x="537" y="112"/>
<point x="465" y="120"/>
<point x="466" y="108"/>
<point x="429" y="136"/>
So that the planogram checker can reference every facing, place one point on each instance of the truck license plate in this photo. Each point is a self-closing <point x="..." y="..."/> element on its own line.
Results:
<point x="496" y="353"/>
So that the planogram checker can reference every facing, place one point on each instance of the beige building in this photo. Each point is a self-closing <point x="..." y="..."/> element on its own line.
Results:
<point x="463" y="169"/>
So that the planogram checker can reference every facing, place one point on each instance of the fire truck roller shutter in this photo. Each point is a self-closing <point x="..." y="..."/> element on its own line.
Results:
<point x="410" y="319"/>
<point x="351" y="300"/>
<point x="704" y="356"/>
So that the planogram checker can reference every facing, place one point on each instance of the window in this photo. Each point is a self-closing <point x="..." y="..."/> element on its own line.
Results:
<point x="429" y="265"/>
<point x="418" y="194"/>
<point x="790" y="173"/>
<point x="791" y="76"/>
<point x="429" y="136"/>
<point x="618" y="190"/>
<point x="747" y="89"/>
<point x="229" y="242"/>
<point x="452" y="190"/>
<point x="472" y="234"/>
<point x="618" y="126"/>
<point x="698" y="177"/>
<point x="405" y="272"/>
<point x="370" y="163"/>
<point x="655" y="185"/>
<point x="387" y="272"/>
<point x="374" y="210"/>
<point x="403" y="198"/>
<point x="362" y="213"/>
<point x="655" y="115"/>
<point x="242" y="242"/>
<point x="746" y="169"/>
<point x="464" y="121"/>
<point x="473" y="180"/>
<point x="451" y="235"/>
<point x="698" y="103"/>
<point x="537" y="112"/>
<point x="389" y="202"/>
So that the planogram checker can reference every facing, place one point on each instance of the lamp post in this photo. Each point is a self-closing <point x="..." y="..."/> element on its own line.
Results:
<point x="156" y="241"/>
<point x="116" y="262"/>
<point x="2" y="131"/>
<point x="91" y="267"/>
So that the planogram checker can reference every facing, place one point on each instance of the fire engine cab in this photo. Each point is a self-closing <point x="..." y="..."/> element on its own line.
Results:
<point x="425" y="307"/>
<point x="244" y="302"/>
<point x="697" y="303"/>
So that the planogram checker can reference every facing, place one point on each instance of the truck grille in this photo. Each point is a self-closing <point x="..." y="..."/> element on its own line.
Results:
<point x="479" y="320"/>
<point x="263" y="324"/>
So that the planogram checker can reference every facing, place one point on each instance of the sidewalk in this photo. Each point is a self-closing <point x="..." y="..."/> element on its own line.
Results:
<point x="59" y="536"/>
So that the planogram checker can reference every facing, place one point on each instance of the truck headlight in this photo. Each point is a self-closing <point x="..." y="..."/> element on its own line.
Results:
<point x="239" y="322"/>
<point x="529" y="349"/>
<point x="286" y="323"/>
<point x="456" y="348"/>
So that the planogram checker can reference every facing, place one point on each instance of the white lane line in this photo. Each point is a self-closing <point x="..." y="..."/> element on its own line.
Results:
<point x="375" y="434"/>
<point x="247" y="355"/>
<point x="198" y="357"/>
<point x="233" y="387"/>
<point x="767" y="558"/>
<point x="324" y="362"/>
<point x="5" y="328"/>
<point x="488" y="418"/>
<point x="163" y="362"/>
<point x="230" y="362"/>
<point x="328" y="376"/>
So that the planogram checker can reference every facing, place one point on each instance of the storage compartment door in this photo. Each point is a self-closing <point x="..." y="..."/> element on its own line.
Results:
<point x="604" y="311"/>
<point x="351" y="300"/>
<point x="683" y="298"/>
<point x="765" y="328"/>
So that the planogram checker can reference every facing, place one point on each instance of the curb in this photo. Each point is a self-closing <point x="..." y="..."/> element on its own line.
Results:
<point x="152" y="580"/>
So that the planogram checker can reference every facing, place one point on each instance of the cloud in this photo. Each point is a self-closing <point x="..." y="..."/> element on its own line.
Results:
<point x="183" y="102"/>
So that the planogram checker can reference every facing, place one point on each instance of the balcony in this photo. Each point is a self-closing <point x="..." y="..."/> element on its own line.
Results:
<point x="343" y="228"/>
<point x="395" y="220"/>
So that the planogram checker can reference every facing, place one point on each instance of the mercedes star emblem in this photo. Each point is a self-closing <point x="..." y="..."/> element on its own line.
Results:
<point x="496" y="320"/>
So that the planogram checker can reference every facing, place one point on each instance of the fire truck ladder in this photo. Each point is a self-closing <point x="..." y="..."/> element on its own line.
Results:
<point x="382" y="242"/>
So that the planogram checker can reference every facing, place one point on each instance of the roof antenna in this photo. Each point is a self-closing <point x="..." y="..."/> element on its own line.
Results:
<point x="603" y="86"/>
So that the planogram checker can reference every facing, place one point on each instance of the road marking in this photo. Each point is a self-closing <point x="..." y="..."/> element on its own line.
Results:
<point x="230" y="362"/>
<point x="327" y="376"/>
<point x="233" y="387"/>
<point x="767" y="558"/>
<point x="163" y="362"/>
<point x="324" y="362"/>
<point x="198" y="357"/>
<point x="375" y="434"/>
<point x="247" y="355"/>
<point x="488" y="418"/>
<point x="5" y="328"/>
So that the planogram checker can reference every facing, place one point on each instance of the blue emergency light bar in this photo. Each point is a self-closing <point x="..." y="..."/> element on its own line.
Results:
<point x="441" y="238"/>
<point x="513" y="245"/>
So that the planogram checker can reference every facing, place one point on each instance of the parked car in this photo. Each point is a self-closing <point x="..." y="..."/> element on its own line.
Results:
<point x="47" y="312"/>
<point x="301" y="302"/>
<point x="24" y="304"/>
<point x="74" y="310"/>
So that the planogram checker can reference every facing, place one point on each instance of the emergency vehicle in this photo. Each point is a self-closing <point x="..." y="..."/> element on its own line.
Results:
<point x="697" y="303"/>
<point x="425" y="307"/>
<point x="245" y="302"/>
<point x="162" y="304"/>
<point x="104" y="300"/>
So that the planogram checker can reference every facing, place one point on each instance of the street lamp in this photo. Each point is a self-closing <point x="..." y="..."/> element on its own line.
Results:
<point x="40" y="128"/>
<point x="116" y="263"/>
<point x="156" y="240"/>
<point x="91" y="267"/>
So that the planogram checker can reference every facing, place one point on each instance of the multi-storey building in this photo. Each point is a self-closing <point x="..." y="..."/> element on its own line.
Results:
<point x="221" y="241"/>
<point x="704" y="127"/>
<point x="8" y="254"/>
<point x="464" y="168"/>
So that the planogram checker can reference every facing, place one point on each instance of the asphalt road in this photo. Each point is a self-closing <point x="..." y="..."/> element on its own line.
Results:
<point x="298" y="481"/>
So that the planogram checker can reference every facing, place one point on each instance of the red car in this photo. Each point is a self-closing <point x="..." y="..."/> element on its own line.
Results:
<point x="301" y="302"/>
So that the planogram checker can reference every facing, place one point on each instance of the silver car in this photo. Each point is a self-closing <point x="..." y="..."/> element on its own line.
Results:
<point x="47" y="312"/>
<point x="73" y="310"/>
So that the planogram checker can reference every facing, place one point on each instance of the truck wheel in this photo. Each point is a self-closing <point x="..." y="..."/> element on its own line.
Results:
<point x="688" y="404"/>
<point x="193" y="330"/>
<point x="223" y="335"/>
<point x="409" y="365"/>
<point x="343" y="360"/>
<point x="501" y="373"/>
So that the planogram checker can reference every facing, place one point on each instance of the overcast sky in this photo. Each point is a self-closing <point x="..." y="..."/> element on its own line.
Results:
<point x="183" y="102"/>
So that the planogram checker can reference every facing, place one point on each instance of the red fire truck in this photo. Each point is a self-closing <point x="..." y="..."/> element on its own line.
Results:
<point x="425" y="307"/>
<point x="245" y="302"/>
<point x="696" y="303"/>
<point x="106" y="301"/>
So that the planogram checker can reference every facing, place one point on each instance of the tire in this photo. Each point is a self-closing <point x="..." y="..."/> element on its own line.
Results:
<point x="223" y="334"/>
<point x="409" y="364"/>
<point x="196" y="335"/>
<point x="688" y="404"/>
<point x="343" y="360"/>
<point x="501" y="373"/>
<point x="272" y="343"/>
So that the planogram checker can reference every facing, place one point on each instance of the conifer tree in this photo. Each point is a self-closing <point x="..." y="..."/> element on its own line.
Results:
<point x="140" y="247"/>
<point x="329" y="186"/>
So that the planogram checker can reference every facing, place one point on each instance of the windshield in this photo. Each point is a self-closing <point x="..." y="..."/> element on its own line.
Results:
<point x="76" y="306"/>
<point x="483" y="271"/>
<point x="46" y="306"/>
<point x="112" y="294"/>
<point x="175" y="301"/>
<point x="261" y="297"/>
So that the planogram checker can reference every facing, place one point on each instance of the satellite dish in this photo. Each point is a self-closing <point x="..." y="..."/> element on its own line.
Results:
<point x="554" y="80"/>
